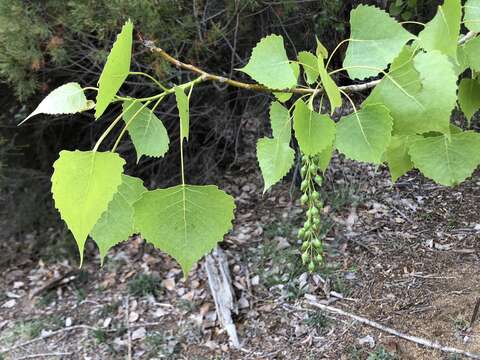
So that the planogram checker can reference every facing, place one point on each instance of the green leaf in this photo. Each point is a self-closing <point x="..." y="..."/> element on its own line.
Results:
<point x="314" y="132"/>
<point x="147" y="132"/>
<point x="66" y="99"/>
<point x="185" y="221"/>
<point x="183" y="111"/>
<point x="365" y="135"/>
<point x="420" y="92"/>
<point x="442" y="32"/>
<point x="269" y="64"/>
<point x="397" y="156"/>
<point x="469" y="97"/>
<point x="462" y="60"/>
<point x="472" y="52"/>
<point x="116" y="69"/>
<point x="83" y="184"/>
<point x="332" y="90"/>
<point x="321" y="51"/>
<point x="471" y="18"/>
<point x="375" y="40"/>
<point x="116" y="224"/>
<point x="282" y="97"/>
<point x="447" y="162"/>
<point x="324" y="157"/>
<point x="280" y="122"/>
<point x="275" y="158"/>
<point x="310" y="66"/>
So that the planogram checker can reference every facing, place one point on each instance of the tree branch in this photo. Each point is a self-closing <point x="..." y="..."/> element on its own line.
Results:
<point x="260" y="88"/>
<point x="249" y="86"/>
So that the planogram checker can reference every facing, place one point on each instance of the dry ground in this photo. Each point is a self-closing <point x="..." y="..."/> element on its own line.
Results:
<point x="405" y="256"/>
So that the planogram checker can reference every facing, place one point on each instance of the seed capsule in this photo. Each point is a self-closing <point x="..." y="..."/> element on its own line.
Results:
<point x="304" y="185"/>
<point x="301" y="233"/>
<point x="307" y="224"/>
<point x="316" y="220"/>
<point x="305" y="245"/>
<point x="311" y="266"/>
<point x="303" y="170"/>
<point x="313" y="169"/>
<point x="305" y="257"/>
<point x="304" y="199"/>
<point x="319" y="258"/>
<point x="315" y="195"/>
<point x="313" y="211"/>
<point x="317" y="243"/>
<point x="318" y="180"/>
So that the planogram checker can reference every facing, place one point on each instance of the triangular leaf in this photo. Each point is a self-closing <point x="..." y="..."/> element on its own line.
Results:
<point x="441" y="33"/>
<point x="447" y="162"/>
<point x="324" y="157"/>
<point x="66" y="99"/>
<point x="471" y="52"/>
<point x="321" y="51"/>
<point x="83" y="184"/>
<point x="269" y="64"/>
<point x="469" y="97"/>
<point x="147" y="132"/>
<point x="313" y="131"/>
<point x="282" y="97"/>
<point x="420" y="92"/>
<point x="397" y="156"/>
<point x="309" y="63"/>
<point x="183" y="111"/>
<point x="375" y="40"/>
<point x="275" y="158"/>
<point x="116" y="69"/>
<point x="280" y="122"/>
<point x="116" y="224"/>
<point x="365" y="135"/>
<point x="471" y="18"/>
<point x="331" y="88"/>
<point x="185" y="221"/>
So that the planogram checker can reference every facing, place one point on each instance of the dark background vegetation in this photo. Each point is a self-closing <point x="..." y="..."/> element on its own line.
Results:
<point x="47" y="43"/>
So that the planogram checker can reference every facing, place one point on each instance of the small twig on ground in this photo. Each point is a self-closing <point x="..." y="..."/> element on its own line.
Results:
<point x="34" y="356"/>
<point x="418" y="340"/>
<point x="73" y="328"/>
<point x="53" y="333"/>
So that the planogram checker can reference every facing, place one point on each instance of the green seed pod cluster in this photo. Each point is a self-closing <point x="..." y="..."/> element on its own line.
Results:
<point x="312" y="248"/>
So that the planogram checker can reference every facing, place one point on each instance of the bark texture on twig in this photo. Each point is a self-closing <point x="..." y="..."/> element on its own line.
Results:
<point x="418" y="340"/>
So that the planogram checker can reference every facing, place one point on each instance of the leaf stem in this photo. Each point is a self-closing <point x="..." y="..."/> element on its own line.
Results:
<point x="110" y="127"/>
<point x="158" y="83"/>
